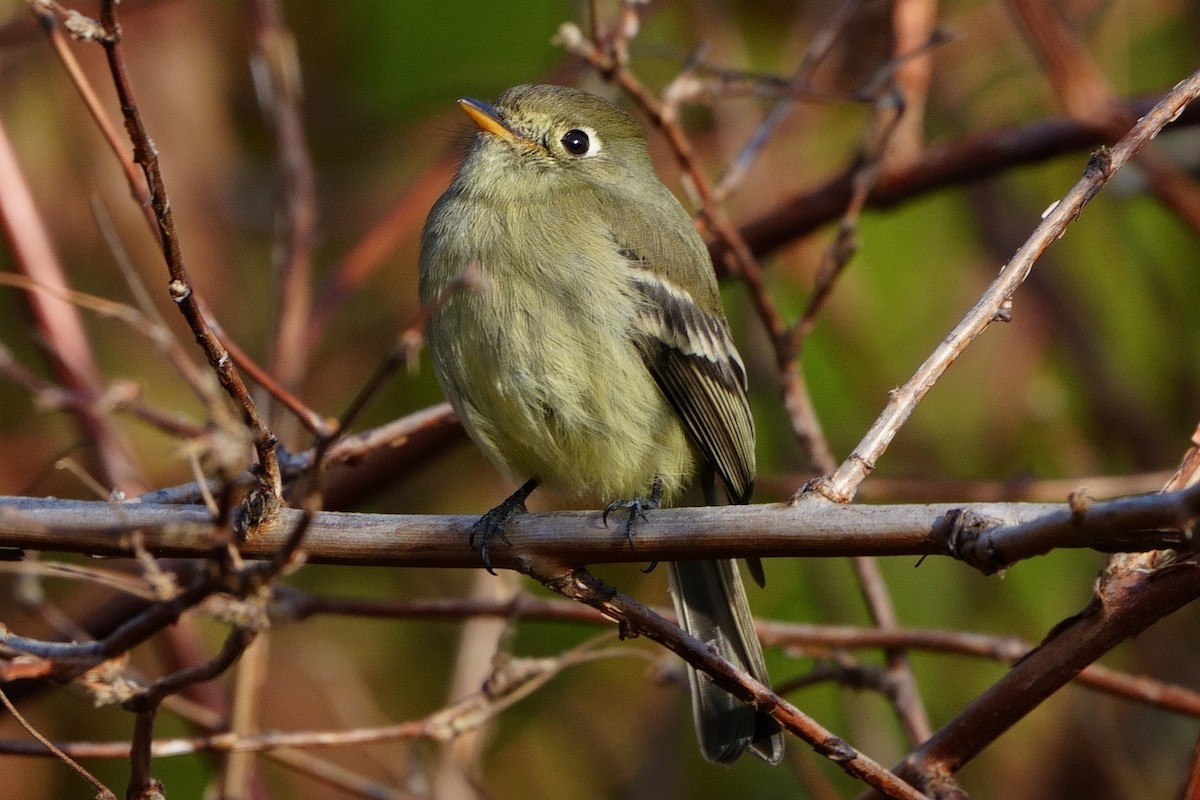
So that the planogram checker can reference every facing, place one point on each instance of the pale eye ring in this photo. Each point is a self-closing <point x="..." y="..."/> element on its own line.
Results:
<point x="580" y="142"/>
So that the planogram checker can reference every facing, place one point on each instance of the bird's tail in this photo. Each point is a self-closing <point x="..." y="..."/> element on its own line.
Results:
<point x="711" y="603"/>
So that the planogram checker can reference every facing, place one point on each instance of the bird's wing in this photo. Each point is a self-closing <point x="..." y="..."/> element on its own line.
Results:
<point x="689" y="352"/>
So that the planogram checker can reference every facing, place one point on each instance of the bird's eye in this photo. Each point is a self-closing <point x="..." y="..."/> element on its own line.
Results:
<point x="576" y="142"/>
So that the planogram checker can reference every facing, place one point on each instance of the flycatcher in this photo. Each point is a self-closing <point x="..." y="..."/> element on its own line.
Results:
<point x="597" y="359"/>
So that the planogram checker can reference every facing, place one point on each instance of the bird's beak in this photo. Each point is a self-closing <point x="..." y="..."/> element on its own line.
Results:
<point x="488" y="118"/>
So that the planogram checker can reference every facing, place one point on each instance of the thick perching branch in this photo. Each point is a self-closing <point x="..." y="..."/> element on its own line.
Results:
<point x="991" y="536"/>
<point x="540" y="543"/>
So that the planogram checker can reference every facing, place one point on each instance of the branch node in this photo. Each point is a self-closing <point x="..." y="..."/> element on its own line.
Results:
<point x="179" y="290"/>
<point x="1004" y="312"/>
<point x="257" y="509"/>
<point x="836" y="749"/>
<point x="1079" y="503"/>
<point x="970" y="541"/>
<point x="84" y="29"/>
<point x="1100" y="164"/>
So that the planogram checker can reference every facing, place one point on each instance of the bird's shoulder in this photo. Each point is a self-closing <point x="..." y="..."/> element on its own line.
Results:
<point x="658" y="238"/>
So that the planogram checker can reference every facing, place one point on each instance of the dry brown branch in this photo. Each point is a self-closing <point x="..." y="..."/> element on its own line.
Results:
<point x="633" y="617"/>
<point x="1122" y="608"/>
<point x="995" y="304"/>
<point x="1133" y="593"/>
<point x="145" y="155"/>
<point x="102" y="792"/>
<point x="292" y="605"/>
<point x="986" y="534"/>
<point x="1086" y="96"/>
<point x="1153" y="512"/>
<point x="941" y="165"/>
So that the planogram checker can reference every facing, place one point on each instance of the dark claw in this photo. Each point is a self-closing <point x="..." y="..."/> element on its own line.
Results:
<point x="637" y="510"/>
<point x="495" y="522"/>
<point x="492" y="524"/>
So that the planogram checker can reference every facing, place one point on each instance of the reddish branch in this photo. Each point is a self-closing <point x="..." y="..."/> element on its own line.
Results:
<point x="276" y="69"/>
<point x="294" y="605"/>
<point x="58" y="325"/>
<point x="633" y="617"/>
<point x="1121" y="609"/>
<point x="1085" y="95"/>
<point x="181" y="290"/>
<point x="940" y="165"/>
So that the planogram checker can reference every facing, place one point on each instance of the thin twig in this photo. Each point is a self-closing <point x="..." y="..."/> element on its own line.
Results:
<point x="270" y="494"/>
<point x="429" y="428"/>
<point x="995" y="303"/>
<point x="1086" y="95"/>
<point x="292" y="604"/>
<point x="310" y="419"/>
<point x="905" y="694"/>
<point x="156" y="328"/>
<point x="801" y="81"/>
<point x="894" y="133"/>
<point x="147" y="703"/>
<point x="120" y="397"/>
<point x="580" y="585"/>
<point x="329" y="773"/>
<point x="102" y="791"/>
<point x="79" y="79"/>
<point x="517" y="680"/>
<point x="276" y="69"/>
<point x="942" y="164"/>
<point x="408" y="344"/>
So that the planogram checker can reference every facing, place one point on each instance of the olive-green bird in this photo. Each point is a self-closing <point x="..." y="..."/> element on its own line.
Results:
<point x="595" y="358"/>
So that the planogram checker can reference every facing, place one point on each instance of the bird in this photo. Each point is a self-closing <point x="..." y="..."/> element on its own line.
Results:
<point x="594" y="356"/>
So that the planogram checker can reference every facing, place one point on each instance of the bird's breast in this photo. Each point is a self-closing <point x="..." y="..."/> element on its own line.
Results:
<point x="548" y="379"/>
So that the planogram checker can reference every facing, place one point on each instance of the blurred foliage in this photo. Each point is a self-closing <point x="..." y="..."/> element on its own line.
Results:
<point x="1096" y="374"/>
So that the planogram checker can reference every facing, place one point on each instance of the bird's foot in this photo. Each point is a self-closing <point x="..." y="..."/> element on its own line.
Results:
<point x="494" y="522"/>
<point x="637" y="508"/>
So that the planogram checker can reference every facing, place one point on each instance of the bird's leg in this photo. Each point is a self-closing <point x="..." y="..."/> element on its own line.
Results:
<point x="495" y="521"/>
<point x="638" y="507"/>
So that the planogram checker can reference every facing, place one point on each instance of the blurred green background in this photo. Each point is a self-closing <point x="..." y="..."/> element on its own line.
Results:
<point x="1095" y="376"/>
